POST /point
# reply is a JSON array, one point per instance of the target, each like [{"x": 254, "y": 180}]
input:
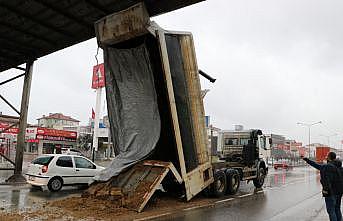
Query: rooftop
[{"x": 58, "y": 116}]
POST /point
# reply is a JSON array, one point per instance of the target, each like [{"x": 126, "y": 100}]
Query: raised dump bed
[{"x": 155, "y": 110}]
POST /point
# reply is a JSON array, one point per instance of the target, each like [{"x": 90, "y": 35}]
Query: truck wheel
[
  {"x": 219, "y": 186},
  {"x": 259, "y": 181},
  {"x": 55, "y": 184},
  {"x": 233, "y": 181}
]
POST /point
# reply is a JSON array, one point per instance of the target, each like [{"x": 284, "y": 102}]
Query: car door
[
  {"x": 85, "y": 169},
  {"x": 65, "y": 169}
]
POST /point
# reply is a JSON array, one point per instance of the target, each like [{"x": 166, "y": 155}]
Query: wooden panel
[
  {"x": 194, "y": 94},
  {"x": 123, "y": 25}
]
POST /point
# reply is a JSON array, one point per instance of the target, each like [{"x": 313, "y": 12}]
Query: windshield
[
  {"x": 263, "y": 142},
  {"x": 43, "y": 160},
  {"x": 244, "y": 141}
]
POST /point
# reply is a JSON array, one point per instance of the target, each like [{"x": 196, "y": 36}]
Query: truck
[
  {"x": 321, "y": 153},
  {"x": 238, "y": 158},
  {"x": 156, "y": 117}
]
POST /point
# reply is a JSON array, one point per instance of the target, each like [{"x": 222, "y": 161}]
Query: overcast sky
[{"x": 278, "y": 62}]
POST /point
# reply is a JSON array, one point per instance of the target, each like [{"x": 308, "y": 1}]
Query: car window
[
  {"x": 83, "y": 163},
  {"x": 43, "y": 160},
  {"x": 64, "y": 161}
]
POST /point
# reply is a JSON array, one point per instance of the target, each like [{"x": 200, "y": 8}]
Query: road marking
[
  {"x": 224, "y": 200},
  {"x": 153, "y": 217},
  {"x": 245, "y": 195},
  {"x": 197, "y": 207}
]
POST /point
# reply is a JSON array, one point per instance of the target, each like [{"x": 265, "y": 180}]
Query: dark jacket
[{"x": 331, "y": 176}]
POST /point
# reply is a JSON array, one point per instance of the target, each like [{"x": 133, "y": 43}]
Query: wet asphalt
[{"x": 287, "y": 195}]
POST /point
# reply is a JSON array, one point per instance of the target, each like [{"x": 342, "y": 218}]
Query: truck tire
[
  {"x": 259, "y": 181},
  {"x": 219, "y": 186},
  {"x": 233, "y": 181}
]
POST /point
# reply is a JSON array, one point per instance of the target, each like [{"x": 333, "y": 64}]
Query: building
[
  {"x": 57, "y": 121},
  {"x": 38, "y": 140}
]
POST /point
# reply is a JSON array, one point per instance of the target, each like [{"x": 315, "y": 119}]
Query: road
[{"x": 287, "y": 195}]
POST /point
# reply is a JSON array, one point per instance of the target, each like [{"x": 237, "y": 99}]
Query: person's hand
[{"x": 304, "y": 158}]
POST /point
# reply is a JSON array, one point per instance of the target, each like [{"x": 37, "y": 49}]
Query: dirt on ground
[{"x": 92, "y": 209}]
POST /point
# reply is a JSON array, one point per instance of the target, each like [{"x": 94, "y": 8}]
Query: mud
[{"x": 93, "y": 209}]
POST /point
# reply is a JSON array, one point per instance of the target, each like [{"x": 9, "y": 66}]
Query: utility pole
[{"x": 309, "y": 134}]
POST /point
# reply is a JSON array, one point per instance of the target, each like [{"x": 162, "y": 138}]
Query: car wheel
[
  {"x": 233, "y": 181},
  {"x": 219, "y": 186},
  {"x": 55, "y": 184},
  {"x": 259, "y": 181}
]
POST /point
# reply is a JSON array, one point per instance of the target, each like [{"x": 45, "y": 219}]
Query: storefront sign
[{"x": 56, "y": 133}]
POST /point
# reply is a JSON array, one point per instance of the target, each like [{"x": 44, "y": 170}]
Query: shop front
[{"x": 45, "y": 140}]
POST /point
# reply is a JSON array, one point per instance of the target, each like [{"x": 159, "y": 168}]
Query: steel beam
[
  {"x": 11, "y": 79},
  {"x": 20, "y": 68},
  {"x": 9, "y": 104}
]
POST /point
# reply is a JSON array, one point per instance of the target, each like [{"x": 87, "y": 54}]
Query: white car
[{"x": 57, "y": 170}]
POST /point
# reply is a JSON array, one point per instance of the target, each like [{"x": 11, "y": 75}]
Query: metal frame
[
  {"x": 195, "y": 179},
  {"x": 17, "y": 177}
]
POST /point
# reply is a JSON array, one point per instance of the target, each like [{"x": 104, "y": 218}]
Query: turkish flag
[{"x": 93, "y": 114}]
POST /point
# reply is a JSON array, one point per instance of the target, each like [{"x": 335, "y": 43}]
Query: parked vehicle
[
  {"x": 56, "y": 170},
  {"x": 282, "y": 165},
  {"x": 321, "y": 153}
]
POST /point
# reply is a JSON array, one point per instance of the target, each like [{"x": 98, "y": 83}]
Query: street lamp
[
  {"x": 328, "y": 137},
  {"x": 309, "y": 134}
]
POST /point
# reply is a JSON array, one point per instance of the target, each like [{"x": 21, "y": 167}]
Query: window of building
[
  {"x": 83, "y": 163},
  {"x": 231, "y": 141},
  {"x": 64, "y": 161}
]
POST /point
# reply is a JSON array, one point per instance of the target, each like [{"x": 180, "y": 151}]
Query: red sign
[
  {"x": 32, "y": 141},
  {"x": 56, "y": 133},
  {"x": 12, "y": 130},
  {"x": 98, "y": 79}
]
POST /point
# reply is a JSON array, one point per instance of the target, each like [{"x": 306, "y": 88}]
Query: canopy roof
[{"x": 30, "y": 29}]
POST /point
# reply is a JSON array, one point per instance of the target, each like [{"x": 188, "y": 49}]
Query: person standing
[{"x": 331, "y": 178}]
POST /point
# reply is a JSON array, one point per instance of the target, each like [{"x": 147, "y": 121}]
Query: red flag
[{"x": 93, "y": 114}]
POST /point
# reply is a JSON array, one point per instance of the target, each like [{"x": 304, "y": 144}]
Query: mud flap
[{"x": 134, "y": 187}]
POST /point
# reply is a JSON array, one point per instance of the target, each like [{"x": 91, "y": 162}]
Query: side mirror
[{"x": 270, "y": 141}]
